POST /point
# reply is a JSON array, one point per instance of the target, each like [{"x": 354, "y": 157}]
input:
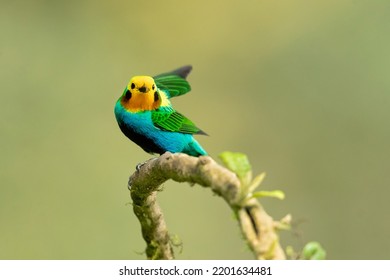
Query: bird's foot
[{"x": 139, "y": 165}]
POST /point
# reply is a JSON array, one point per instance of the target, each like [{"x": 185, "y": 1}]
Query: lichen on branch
[{"x": 258, "y": 228}]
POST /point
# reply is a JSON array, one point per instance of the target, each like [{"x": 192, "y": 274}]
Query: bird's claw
[{"x": 139, "y": 165}]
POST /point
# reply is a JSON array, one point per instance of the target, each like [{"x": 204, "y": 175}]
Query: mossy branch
[{"x": 258, "y": 228}]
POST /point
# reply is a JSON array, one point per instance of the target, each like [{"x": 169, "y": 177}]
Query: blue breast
[{"x": 139, "y": 128}]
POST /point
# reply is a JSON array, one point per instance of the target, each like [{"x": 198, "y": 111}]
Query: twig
[{"x": 256, "y": 225}]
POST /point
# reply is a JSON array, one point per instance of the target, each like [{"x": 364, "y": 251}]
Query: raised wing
[
  {"x": 174, "y": 83},
  {"x": 182, "y": 72}
]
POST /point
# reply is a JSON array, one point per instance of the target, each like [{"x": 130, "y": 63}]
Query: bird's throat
[{"x": 140, "y": 102}]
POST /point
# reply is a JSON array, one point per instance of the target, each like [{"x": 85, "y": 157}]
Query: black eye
[
  {"x": 128, "y": 94},
  {"x": 153, "y": 87},
  {"x": 132, "y": 85}
]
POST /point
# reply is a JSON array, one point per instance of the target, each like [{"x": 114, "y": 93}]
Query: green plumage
[
  {"x": 167, "y": 118},
  {"x": 162, "y": 128},
  {"x": 173, "y": 85}
]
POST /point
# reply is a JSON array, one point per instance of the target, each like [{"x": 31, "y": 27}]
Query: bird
[{"x": 145, "y": 114}]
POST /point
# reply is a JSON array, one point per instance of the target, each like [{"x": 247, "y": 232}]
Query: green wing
[
  {"x": 181, "y": 72},
  {"x": 166, "y": 118},
  {"x": 174, "y": 83}
]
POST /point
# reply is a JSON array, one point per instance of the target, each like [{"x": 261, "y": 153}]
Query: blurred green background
[{"x": 302, "y": 87}]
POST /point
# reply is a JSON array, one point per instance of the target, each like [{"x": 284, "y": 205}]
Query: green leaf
[
  {"x": 256, "y": 182},
  {"x": 313, "y": 251},
  {"x": 239, "y": 164},
  {"x": 276, "y": 194}
]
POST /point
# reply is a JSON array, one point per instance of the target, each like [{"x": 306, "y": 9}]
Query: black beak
[{"x": 142, "y": 89}]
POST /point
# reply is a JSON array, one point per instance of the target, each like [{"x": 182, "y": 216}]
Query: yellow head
[{"x": 141, "y": 94}]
